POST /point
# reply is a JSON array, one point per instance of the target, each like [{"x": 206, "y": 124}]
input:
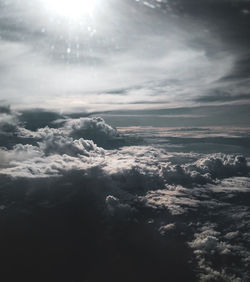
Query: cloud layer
[
  {"x": 98, "y": 66},
  {"x": 187, "y": 209}
]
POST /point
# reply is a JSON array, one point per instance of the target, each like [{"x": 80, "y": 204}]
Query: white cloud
[
  {"x": 68, "y": 146},
  {"x": 95, "y": 125},
  {"x": 19, "y": 153}
]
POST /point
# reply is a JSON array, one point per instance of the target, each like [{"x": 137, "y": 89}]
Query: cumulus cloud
[
  {"x": 117, "y": 209},
  {"x": 141, "y": 165},
  {"x": 166, "y": 228},
  {"x": 127, "y": 188},
  {"x": 8, "y": 119},
  {"x": 232, "y": 235},
  {"x": 231, "y": 186},
  {"x": 206, "y": 169},
  {"x": 176, "y": 200},
  {"x": 68, "y": 146},
  {"x": 207, "y": 242},
  {"x": 94, "y": 129},
  {"x": 93, "y": 126},
  {"x": 210, "y": 246},
  {"x": 19, "y": 153},
  {"x": 9, "y": 124}
]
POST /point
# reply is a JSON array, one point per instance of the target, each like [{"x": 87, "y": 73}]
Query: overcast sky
[{"x": 124, "y": 54}]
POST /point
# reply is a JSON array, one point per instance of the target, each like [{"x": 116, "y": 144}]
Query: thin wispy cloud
[{"x": 51, "y": 64}]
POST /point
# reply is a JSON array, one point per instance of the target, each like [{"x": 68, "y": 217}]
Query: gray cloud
[
  {"x": 124, "y": 162},
  {"x": 127, "y": 194},
  {"x": 74, "y": 69},
  {"x": 218, "y": 96},
  {"x": 209, "y": 243},
  {"x": 117, "y": 209}
]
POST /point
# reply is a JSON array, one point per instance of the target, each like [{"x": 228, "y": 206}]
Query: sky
[
  {"x": 124, "y": 140},
  {"x": 124, "y": 54}
]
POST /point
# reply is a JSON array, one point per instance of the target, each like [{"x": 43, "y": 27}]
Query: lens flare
[{"x": 71, "y": 9}]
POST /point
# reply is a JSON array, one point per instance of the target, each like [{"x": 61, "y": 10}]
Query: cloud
[
  {"x": 174, "y": 200},
  {"x": 94, "y": 129},
  {"x": 231, "y": 186},
  {"x": 95, "y": 124},
  {"x": 19, "y": 153},
  {"x": 117, "y": 209},
  {"x": 39, "y": 118},
  {"x": 208, "y": 246},
  {"x": 171, "y": 204},
  {"x": 207, "y": 242},
  {"x": 8, "y": 123},
  {"x": 167, "y": 228},
  {"x": 74, "y": 193},
  {"x": 141, "y": 165},
  {"x": 232, "y": 235},
  {"x": 158, "y": 67},
  {"x": 222, "y": 97},
  {"x": 68, "y": 146},
  {"x": 204, "y": 170},
  {"x": 8, "y": 119},
  {"x": 5, "y": 109}
]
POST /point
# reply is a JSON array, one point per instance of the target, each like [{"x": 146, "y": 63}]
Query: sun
[{"x": 71, "y": 9}]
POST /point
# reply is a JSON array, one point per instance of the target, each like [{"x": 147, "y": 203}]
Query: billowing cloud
[{"x": 142, "y": 195}]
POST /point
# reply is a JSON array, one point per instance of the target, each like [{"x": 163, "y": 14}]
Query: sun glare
[{"x": 71, "y": 9}]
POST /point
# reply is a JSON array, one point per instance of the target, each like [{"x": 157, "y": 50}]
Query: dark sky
[{"x": 124, "y": 54}]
